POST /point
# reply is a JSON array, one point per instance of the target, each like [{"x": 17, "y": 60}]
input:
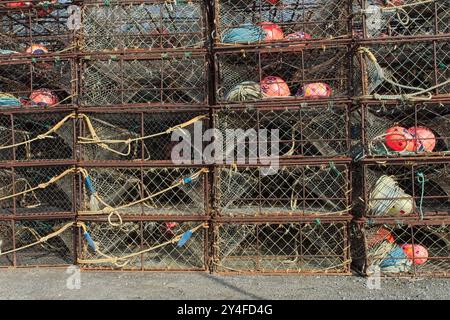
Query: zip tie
[{"x": 421, "y": 180}]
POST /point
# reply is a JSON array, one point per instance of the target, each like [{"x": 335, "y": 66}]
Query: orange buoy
[
  {"x": 273, "y": 31},
  {"x": 36, "y": 49},
  {"x": 272, "y": 86},
  {"x": 416, "y": 252},
  {"x": 424, "y": 139},
  {"x": 44, "y": 97},
  {"x": 399, "y": 139}
]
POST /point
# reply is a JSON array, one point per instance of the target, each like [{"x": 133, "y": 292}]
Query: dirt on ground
[{"x": 63, "y": 284}]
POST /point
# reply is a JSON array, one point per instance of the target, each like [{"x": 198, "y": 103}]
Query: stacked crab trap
[
  {"x": 402, "y": 84},
  {"x": 282, "y": 195},
  {"x": 330, "y": 132}
]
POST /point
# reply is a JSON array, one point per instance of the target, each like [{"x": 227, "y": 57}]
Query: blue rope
[
  {"x": 421, "y": 180},
  {"x": 246, "y": 33},
  {"x": 9, "y": 101}
]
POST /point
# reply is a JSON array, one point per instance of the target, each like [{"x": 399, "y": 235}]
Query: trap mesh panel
[
  {"x": 55, "y": 197},
  {"x": 22, "y": 78},
  {"x": 304, "y": 131},
  {"x": 433, "y": 118},
  {"x": 410, "y": 64},
  {"x": 111, "y": 127},
  {"x": 318, "y": 18},
  {"x": 10, "y": 185},
  {"x": 133, "y": 237},
  {"x": 396, "y": 190},
  {"x": 284, "y": 247},
  {"x": 119, "y": 126},
  {"x": 56, "y": 251},
  {"x": 415, "y": 18},
  {"x": 159, "y": 24},
  {"x": 124, "y": 189},
  {"x": 30, "y": 126},
  {"x": 24, "y": 27},
  {"x": 383, "y": 249},
  {"x": 296, "y": 69},
  {"x": 163, "y": 79},
  {"x": 303, "y": 190},
  {"x": 6, "y": 243}
]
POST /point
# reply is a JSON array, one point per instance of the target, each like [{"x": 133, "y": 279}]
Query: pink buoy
[
  {"x": 315, "y": 90},
  {"x": 416, "y": 252},
  {"x": 273, "y": 86},
  {"x": 424, "y": 139},
  {"x": 44, "y": 97}
]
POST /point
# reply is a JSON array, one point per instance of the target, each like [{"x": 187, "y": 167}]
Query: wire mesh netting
[
  {"x": 302, "y": 131},
  {"x": 149, "y": 191},
  {"x": 159, "y": 79},
  {"x": 281, "y": 247},
  {"x": 56, "y": 251},
  {"x": 402, "y": 18},
  {"x": 146, "y": 245},
  {"x": 38, "y": 82},
  {"x": 407, "y": 129},
  {"x": 254, "y": 21},
  {"x": 395, "y": 249},
  {"x": 404, "y": 70},
  {"x": 312, "y": 73},
  {"x": 27, "y": 191},
  {"x": 291, "y": 190},
  {"x": 417, "y": 189},
  {"x": 22, "y": 137},
  {"x": 148, "y": 25},
  {"x": 41, "y": 28},
  {"x": 146, "y": 136}
]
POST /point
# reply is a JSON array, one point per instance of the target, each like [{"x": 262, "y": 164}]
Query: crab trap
[
  {"x": 298, "y": 131},
  {"x": 271, "y": 75},
  {"x": 309, "y": 247},
  {"x": 148, "y": 136},
  {"x": 168, "y": 79},
  {"x": 160, "y": 191},
  {"x": 32, "y": 243},
  {"x": 288, "y": 190},
  {"x": 408, "y": 248},
  {"x": 36, "y": 136},
  {"x": 37, "y": 82},
  {"x": 36, "y": 191},
  {"x": 417, "y": 189},
  {"x": 403, "y": 71},
  {"x": 421, "y": 129},
  {"x": 265, "y": 21},
  {"x": 403, "y": 18},
  {"x": 155, "y": 24},
  {"x": 143, "y": 245},
  {"x": 36, "y": 27}
]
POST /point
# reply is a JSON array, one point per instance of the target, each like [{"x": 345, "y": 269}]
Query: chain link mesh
[
  {"x": 132, "y": 237},
  {"x": 294, "y": 70},
  {"x": 285, "y": 247},
  {"x": 407, "y": 190},
  {"x": 303, "y": 131},
  {"x": 414, "y": 18},
  {"x": 160, "y": 24},
  {"x": 318, "y": 18},
  {"x": 167, "y": 80},
  {"x": 431, "y": 245},
  {"x": 300, "y": 190}
]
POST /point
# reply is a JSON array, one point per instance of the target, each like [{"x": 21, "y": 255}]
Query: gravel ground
[{"x": 52, "y": 284}]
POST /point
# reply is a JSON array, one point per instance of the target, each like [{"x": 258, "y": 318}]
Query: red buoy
[
  {"x": 273, "y": 31},
  {"x": 399, "y": 139}
]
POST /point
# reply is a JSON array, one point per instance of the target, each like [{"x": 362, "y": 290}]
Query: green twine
[
  {"x": 421, "y": 181},
  {"x": 333, "y": 167},
  {"x": 165, "y": 55},
  {"x": 106, "y": 3},
  {"x": 33, "y": 60},
  {"x": 317, "y": 221}
]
